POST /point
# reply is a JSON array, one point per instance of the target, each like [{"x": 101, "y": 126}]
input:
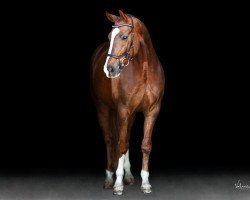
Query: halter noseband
[{"x": 125, "y": 55}]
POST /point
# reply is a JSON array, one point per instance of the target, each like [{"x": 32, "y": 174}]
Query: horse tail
[{"x": 114, "y": 127}]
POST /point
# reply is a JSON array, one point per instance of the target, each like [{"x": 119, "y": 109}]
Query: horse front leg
[
  {"x": 123, "y": 119},
  {"x": 149, "y": 121}
]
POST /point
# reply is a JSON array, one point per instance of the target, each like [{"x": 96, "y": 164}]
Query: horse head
[{"x": 123, "y": 43}]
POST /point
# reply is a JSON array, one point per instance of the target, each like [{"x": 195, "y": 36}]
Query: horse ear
[
  {"x": 112, "y": 18},
  {"x": 123, "y": 16}
]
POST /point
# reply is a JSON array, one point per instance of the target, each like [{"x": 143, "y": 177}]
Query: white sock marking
[
  {"x": 109, "y": 175},
  {"x": 113, "y": 34},
  {"x": 119, "y": 174},
  {"x": 127, "y": 165},
  {"x": 145, "y": 182}
]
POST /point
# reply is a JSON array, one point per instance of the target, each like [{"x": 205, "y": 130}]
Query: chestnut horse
[{"x": 126, "y": 78}]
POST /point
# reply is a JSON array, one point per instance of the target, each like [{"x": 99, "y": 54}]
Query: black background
[{"x": 50, "y": 119}]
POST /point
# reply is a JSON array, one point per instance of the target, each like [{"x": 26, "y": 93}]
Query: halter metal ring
[{"x": 124, "y": 58}]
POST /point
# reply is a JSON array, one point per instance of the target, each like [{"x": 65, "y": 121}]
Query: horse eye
[{"x": 124, "y": 37}]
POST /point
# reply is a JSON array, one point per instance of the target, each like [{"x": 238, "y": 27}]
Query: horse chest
[
  {"x": 137, "y": 98},
  {"x": 130, "y": 95}
]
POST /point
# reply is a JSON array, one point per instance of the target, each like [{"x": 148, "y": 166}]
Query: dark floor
[{"x": 173, "y": 185}]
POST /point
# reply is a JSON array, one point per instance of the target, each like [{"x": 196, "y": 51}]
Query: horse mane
[{"x": 145, "y": 34}]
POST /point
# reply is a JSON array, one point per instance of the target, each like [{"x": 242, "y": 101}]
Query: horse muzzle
[{"x": 114, "y": 71}]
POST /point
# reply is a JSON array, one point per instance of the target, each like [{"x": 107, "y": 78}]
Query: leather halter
[{"x": 125, "y": 55}]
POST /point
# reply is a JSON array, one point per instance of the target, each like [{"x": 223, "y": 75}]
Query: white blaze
[{"x": 113, "y": 34}]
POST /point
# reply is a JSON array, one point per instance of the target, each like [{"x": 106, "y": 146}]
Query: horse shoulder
[
  {"x": 155, "y": 84},
  {"x": 98, "y": 54},
  {"x": 100, "y": 83}
]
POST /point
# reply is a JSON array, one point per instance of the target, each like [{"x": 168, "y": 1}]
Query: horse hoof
[
  {"x": 108, "y": 185},
  {"x": 129, "y": 180},
  {"x": 146, "y": 189},
  {"x": 119, "y": 193},
  {"x": 118, "y": 190}
]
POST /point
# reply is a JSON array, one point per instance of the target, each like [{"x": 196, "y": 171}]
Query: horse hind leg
[
  {"x": 103, "y": 117},
  {"x": 128, "y": 177}
]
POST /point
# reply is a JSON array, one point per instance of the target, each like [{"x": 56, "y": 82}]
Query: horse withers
[{"x": 126, "y": 78}]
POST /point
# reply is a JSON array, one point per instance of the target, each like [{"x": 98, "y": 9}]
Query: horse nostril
[
  {"x": 121, "y": 66},
  {"x": 110, "y": 69}
]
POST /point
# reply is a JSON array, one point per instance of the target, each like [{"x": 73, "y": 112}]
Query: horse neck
[
  {"x": 146, "y": 52},
  {"x": 146, "y": 59}
]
